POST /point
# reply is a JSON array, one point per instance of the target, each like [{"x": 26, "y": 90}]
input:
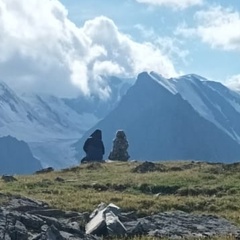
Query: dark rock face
[
  {"x": 16, "y": 157},
  {"x": 108, "y": 220},
  {"x": 26, "y": 219},
  {"x": 180, "y": 225}
]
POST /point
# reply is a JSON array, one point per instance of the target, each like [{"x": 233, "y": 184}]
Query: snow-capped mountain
[
  {"x": 210, "y": 99},
  {"x": 178, "y": 118},
  {"x": 35, "y": 117},
  {"x": 46, "y": 123},
  {"x": 100, "y": 107}
]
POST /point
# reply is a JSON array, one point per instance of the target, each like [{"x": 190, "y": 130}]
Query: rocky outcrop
[
  {"x": 26, "y": 219},
  {"x": 181, "y": 225},
  {"x": 108, "y": 220}
]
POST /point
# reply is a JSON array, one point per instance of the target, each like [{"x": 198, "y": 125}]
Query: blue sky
[
  {"x": 162, "y": 21},
  {"x": 64, "y": 47}
]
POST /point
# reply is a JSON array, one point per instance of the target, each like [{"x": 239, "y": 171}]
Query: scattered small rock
[
  {"x": 45, "y": 170},
  {"x": 59, "y": 179},
  {"x": 94, "y": 166},
  {"x": 8, "y": 178},
  {"x": 26, "y": 219},
  {"x": 176, "y": 169},
  {"x": 148, "y": 167}
]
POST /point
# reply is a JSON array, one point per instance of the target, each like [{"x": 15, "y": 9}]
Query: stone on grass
[
  {"x": 44, "y": 170},
  {"x": 8, "y": 178}
]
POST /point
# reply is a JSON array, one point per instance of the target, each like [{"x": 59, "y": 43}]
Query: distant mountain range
[
  {"x": 50, "y": 125},
  {"x": 164, "y": 119},
  {"x": 16, "y": 157},
  {"x": 101, "y": 107},
  {"x": 171, "y": 119}
]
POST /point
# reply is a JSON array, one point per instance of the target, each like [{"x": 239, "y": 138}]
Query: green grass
[{"x": 191, "y": 187}]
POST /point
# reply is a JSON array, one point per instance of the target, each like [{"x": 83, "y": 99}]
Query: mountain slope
[
  {"x": 50, "y": 125},
  {"x": 210, "y": 99},
  {"x": 101, "y": 107},
  {"x": 46, "y": 123},
  {"x": 16, "y": 157},
  {"x": 161, "y": 124}
]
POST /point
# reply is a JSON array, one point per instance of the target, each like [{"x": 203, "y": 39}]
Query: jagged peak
[
  {"x": 192, "y": 77},
  {"x": 5, "y": 89}
]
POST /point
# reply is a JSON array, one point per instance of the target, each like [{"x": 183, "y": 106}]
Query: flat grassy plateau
[{"x": 195, "y": 187}]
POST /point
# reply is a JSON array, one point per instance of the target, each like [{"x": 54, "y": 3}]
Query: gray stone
[
  {"x": 45, "y": 170},
  {"x": 49, "y": 212},
  {"x": 49, "y": 221},
  {"x": 146, "y": 167},
  {"x": 8, "y": 178},
  {"x": 39, "y": 236},
  {"x": 128, "y": 216},
  {"x": 31, "y": 221},
  {"x": 114, "y": 225},
  {"x": 18, "y": 231},
  {"x": 59, "y": 179},
  {"x": 25, "y": 204},
  {"x": 112, "y": 208},
  {"x": 23, "y": 218},
  {"x": 97, "y": 225},
  {"x": 99, "y": 208},
  {"x": 53, "y": 233},
  {"x": 135, "y": 228}
]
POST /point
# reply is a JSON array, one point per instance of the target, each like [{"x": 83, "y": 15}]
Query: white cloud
[
  {"x": 170, "y": 46},
  {"x": 176, "y": 4},
  {"x": 146, "y": 32},
  {"x": 219, "y": 27},
  {"x": 173, "y": 47},
  {"x": 42, "y": 50},
  {"x": 233, "y": 82}
]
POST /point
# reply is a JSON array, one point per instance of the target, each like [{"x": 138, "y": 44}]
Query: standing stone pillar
[{"x": 120, "y": 146}]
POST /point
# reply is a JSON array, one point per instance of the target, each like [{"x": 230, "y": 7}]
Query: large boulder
[{"x": 105, "y": 221}]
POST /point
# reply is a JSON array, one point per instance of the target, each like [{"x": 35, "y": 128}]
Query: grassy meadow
[{"x": 194, "y": 187}]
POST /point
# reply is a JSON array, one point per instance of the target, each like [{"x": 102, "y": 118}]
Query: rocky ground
[{"x": 27, "y": 219}]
